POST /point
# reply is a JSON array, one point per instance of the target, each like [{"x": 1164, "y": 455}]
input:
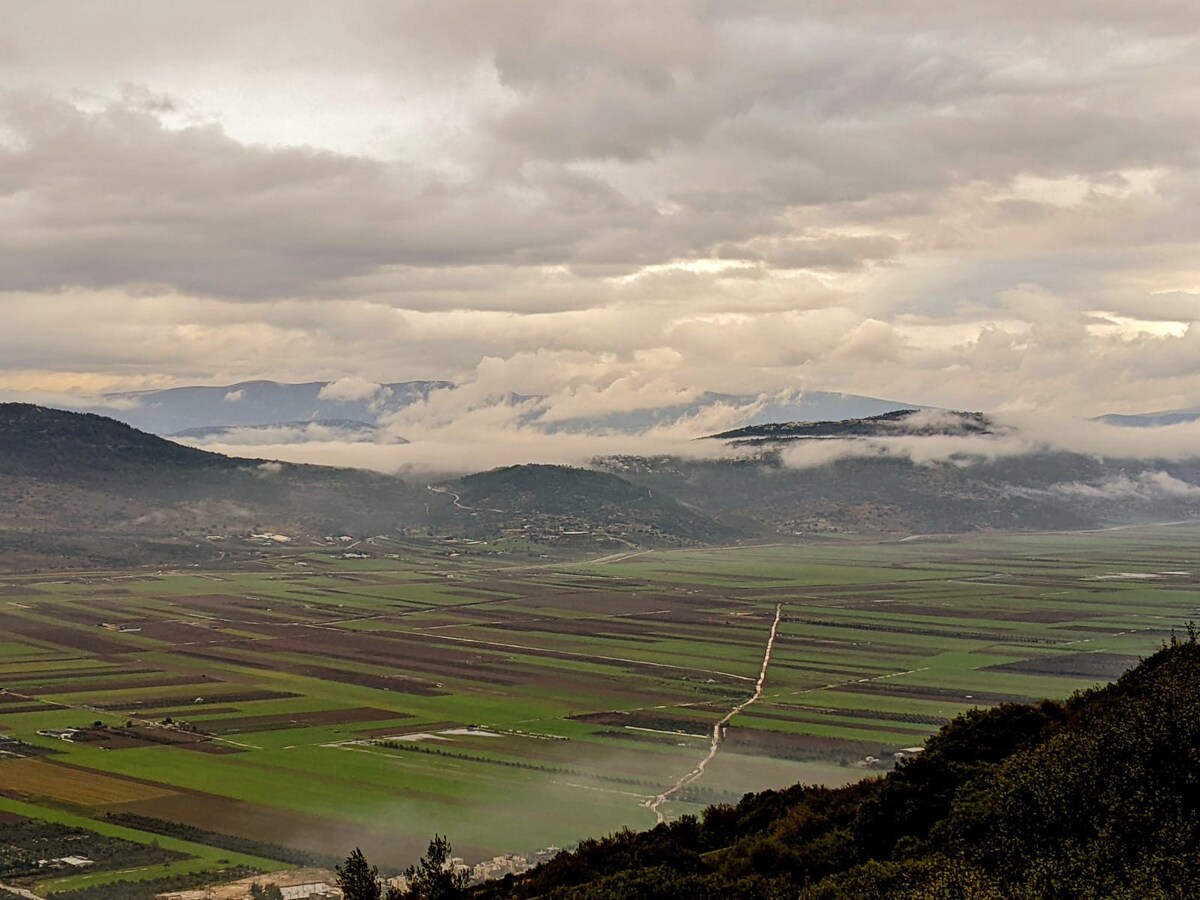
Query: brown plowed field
[
  {"x": 89, "y": 685},
  {"x": 178, "y": 700},
  {"x": 38, "y": 778},
  {"x": 234, "y": 725},
  {"x": 80, "y": 638},
  {"x": 1085, "y": 665}
]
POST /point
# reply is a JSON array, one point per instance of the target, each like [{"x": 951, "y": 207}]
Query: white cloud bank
[
  {"x": 458, "y": 432},
  {"x": 352, "y": 389},
  {"x": 1015, "y": 436},
  {"x": 1143, "y": 486}
]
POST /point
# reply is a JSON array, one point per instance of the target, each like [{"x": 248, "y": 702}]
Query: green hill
[
  {"x": 79, "y": 488},
  {"x": 572, "y": 499},
  {"x": 86, "y": 448},
  {"x": 1097, "y": 796}
]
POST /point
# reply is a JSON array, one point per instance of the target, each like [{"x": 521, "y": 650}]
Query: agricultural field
[{"x": 283, "y": 713}]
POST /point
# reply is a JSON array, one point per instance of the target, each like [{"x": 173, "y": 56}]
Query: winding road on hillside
[
  {"x": 445, "y": 491},
  {"x": 718, "y": 733}
]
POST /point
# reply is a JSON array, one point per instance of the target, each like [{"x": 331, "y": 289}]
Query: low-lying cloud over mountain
[
  {"x": 108, "y": 490},
  {"x": 469, "y": 427},
  {"x": 1144, "y": 486},
  {"x": 439, "y": 427}
]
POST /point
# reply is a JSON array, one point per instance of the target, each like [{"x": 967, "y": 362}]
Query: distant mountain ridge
[
  {"x": 197, "y": 413},
  {"x": 915, "y": 471},
  {"x": 173, "y": 410},
  {"x": 807, "y": 405},
  {"x": 1152, "y": 419},
  {"x": 908, "y": 422}
]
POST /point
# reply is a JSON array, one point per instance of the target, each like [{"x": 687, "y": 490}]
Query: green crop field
[{"x": 318, "y": 703}]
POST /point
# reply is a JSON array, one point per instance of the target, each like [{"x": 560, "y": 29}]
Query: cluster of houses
[
  {"x": 499, "y": 866},
  {"x": 489, "y": 869},
  {"x": 508, "y": 864}
]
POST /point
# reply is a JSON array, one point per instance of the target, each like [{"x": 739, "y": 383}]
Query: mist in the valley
[{"x": 589, "y": 792}]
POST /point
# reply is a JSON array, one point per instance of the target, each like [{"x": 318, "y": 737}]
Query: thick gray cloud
[
  {"x": 115, "y": 198},
  {"x": 957, "y": 204}
]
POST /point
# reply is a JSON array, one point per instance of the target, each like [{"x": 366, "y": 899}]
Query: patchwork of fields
[{"x": 320, "y": 703}]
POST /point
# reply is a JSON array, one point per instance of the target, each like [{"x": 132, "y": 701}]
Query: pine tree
[
  {"x": 433, "y": 878},
  {"x": 358, "y": 879}
]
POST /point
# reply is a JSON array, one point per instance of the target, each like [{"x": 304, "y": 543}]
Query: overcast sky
[{"x": 980, "y": 205}]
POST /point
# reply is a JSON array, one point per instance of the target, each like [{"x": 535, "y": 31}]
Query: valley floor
[{"x": 279, "y": 717}]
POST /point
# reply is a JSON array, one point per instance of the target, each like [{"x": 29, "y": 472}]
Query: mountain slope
[
  {"x": 1096, "y": 797},
  {"x": 879, "y": 495},
  {"x": 930, "y": 471},
  {"x": 1153, "y": 419},
  {"x": 76, "y": 487},
  {"x": 104, "y": 483},
  {"x": 567, "y": 499},
  {"x": 81, "y": 447}
]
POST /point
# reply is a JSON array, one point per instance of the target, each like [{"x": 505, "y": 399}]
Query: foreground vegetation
[{"x": 1097, "y": 796}]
